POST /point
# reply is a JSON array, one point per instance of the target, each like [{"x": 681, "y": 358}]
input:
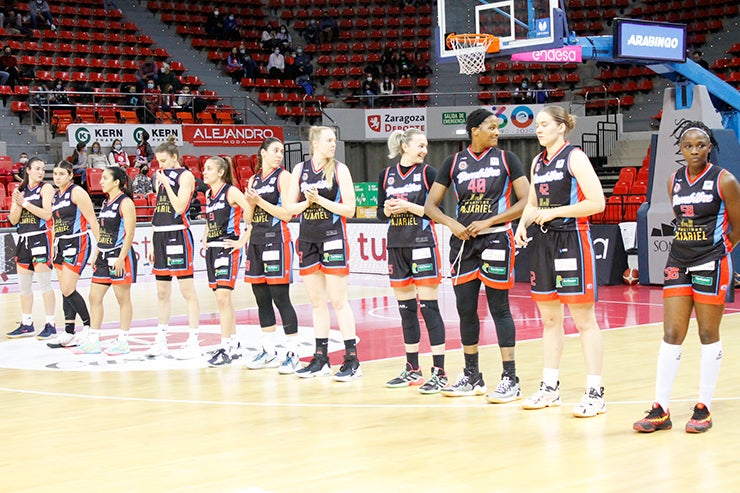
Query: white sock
[
  {"x": 122, "y": 335},
  {"x": 291, "y": 344},
  {"x": 669, "y": 358},
  {"x": 26, "y": 319},
  {"x": 268, "y": 342},
  {"x": 225, "y": 342},
  {"x": 161, "y": 333},
  {"x": 50, "y": 319},
  {"x": 193, "y": 335},
  {"x": 593, "y": 382},
  {"x": 233, "y": 342},
  {"x": 711, "y": 360},
  {"x": 94, "y": 335},
  {"x": 550, "y": 377}
]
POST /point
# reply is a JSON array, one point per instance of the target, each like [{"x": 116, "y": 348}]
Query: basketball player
[
  {"x": 413, "y": 255},
  {"x": 565, "y": 191},
  {"x": 223, "y": 241},
  {"x": 698, "y": 273},
  {"x": 30, "y": 213},
  {"x": 171, "y": 255},
  {"x": 74, "y": 218},
  {"x": 114, "y": 262},
  {"x": 270, "y": 258},
  {"x": 322, "y": 192},
  {"x": 485, "y": 179}
]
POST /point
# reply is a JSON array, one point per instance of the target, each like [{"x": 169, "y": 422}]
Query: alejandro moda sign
[
  {"x": 650, "y": 41},
  {"x": 229, "y": 135},
  {"x": 129, "y": 135}
]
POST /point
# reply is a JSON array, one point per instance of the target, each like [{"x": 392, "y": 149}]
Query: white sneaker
[
  {"x": 592, "y": 404},
  {"x": 264, "y": 360},
  {"x": 189, "y": 350},
  {"x": 507, "y": 390},
  {"x": 545, "y": 396},
  {"x": 159, "y": 348},
  {"x": 235, "y": 352},
  {"x": 61, "y": 340},
  {"x": 289, "y": 364}
]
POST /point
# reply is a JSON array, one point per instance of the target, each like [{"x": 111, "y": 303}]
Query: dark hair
[
  {"x": 475, "y": 119},
  {"x": 224, "y": 166},
  {"x": 80, "y": 146},
  {"x": 684, "y": 125},
  {"x": 144, "y": 136},
  {"x": 124, "y": 182},
  {"x": 66, "y": 165},
  {"x": 265, "y": 145},
  {"x": 24, "y": 184},
  {"x": 169, "y": 147}
]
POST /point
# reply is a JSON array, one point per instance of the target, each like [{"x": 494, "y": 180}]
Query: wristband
[{"x": 25, "y": 204}]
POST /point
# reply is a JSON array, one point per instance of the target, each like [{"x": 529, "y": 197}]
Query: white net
[{"x": 470, "y": 51}]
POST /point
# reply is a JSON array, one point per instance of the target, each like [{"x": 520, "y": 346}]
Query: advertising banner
[
  {"x": 129, "y": 135},
  {"x": 229, "y": 135}
]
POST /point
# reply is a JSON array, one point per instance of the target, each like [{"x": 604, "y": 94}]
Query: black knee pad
[
  {"x": 433, "y": 319},
  {"x": 281, "y": 296},
  {"x": 466, "y": 300},
  {"x": 265, "y": 310},
  {"x": 409, "y": 321},
  {"x": 498, "y": 305},
  {"x": 69, "y": 311}
]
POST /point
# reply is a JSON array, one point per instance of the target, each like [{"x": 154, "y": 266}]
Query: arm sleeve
[
  {"x": 443, "y": 175},
  {"x": 381, "y": 195}
]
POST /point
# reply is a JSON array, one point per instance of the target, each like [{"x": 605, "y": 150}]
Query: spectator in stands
[
  {"x": 14, "y": 19},
  {"x": 387, "y": 88},
  {"x": 249, "y": 65},
  {"x": 420, "y": 67},
  {"x": 370, "y": 89},
  {"x": 290, "y": 69},
  {"x": 117, "y": 155},
  {"x": 311, "y": 34},
  {"x": 372, "y": 69},
  {"x": 147, "y": 70},
  {"x": 541, "y": 95},
  {"x": 523, "y": 94},
  {"x": 303, "y": 64},
  {"x": 328, "y": 28},
  {"x": 168, "y": 81},
  {"x": 389, "y": 63},
  {"x": 40, "y": 104},
  {"x": 215, "y": 24},
  {"x": 39, "y": 8},
  {"x": 276, "y": 64},
  {"x": 234, "y": 67},
  {"x": 231, "y": 28},
  {"x": 152, "y": 103},
  {"x": 284, "y": 39},
  {"x": 58, "y": 98},
  {"x": 697, "y": 56},
  {"x": 185, "y": 99},
  {"x": 9, "y": 64},
  {"x": 96, "y": 158},
  {"x": 142, "y": 183},
  {"x": 133, "y": 99},
  {"x": 268, "y": 38},
  {"x": 19, "y": 170},
  {"x": 144, "y": 152},
  {"x": 79, "y": 161}
]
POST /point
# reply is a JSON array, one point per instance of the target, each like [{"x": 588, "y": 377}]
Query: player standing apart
[
  {"x": 322, "y": 192},
  {"x": 485, "y": 179},
  {"x": 114, "y": 262},
  {"x": 30, "y": 213},
  {"x": 565, "y": 191},
  {"x": 270, "y": 258},
  {"x": 698, "y": 273},
  {"x": 223, "y": 240},
  {"x": 413, "y": 255},
  {"x": 74, "y": 217},
  {"x": 172, "y": 248}
]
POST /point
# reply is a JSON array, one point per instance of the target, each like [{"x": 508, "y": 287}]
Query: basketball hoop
[{"x": 471, "y": 49}]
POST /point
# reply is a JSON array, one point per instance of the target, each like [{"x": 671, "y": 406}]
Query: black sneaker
[
  {"x": 48, "y": 332},
  {"x": 349, "y": 370},
  {"x": 436, "y": 382},
  {"x": 468, "y": 383},
  {"x": 21, "y": 331},
  {"x": 318, "y": 367},
  {"x": 408, "y": 377},
  {"x": 219, "y": 358}
]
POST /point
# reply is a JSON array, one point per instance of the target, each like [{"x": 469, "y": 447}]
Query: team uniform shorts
[
  {"x": 173, "y": 253},
  {"x": 562, "y": 266},
  {"x": 709, "y": 283},
  {"x": 222, "y": 266},
  {"x": 488, "y": 257},
  {"x": 72, "y": 253},
  {"x": 330, "y": 257},
  {"x": 33, "y": 250},
  {"x": 414, "y": 266},
  {"x": 103, "y": 272},
  {"x": 270, "y": 263}
]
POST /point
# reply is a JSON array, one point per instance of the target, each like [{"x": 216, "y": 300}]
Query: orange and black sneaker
[
  {"x": 700, "y": 421},
  {"x": 656, "y": 419}
]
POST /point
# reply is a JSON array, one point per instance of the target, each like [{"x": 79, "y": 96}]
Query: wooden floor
[{"x": 235, "y": 430}]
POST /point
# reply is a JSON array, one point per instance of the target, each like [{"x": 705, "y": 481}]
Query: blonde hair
[
  {"x": 329, "y": 165},
  {"x": 561, "y": 116},
  {"x": 400, "y": 137}
]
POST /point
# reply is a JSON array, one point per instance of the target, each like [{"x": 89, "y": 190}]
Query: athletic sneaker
[
  {"x": 436, "y": 382},
  {"x": 91, "y": 346},
  {"x": 118, "y": 348},
  {"x": 63, "y": 339},
  {"x": 507, "y": 390},
  {"x": 349, "y": 370},
  {"x": 656, "y": 419},
  {"x": 700, "y": 421},
  {"x": 48, "y": 332},
  {"x": 408, "y": 377},
  {"x": 318, "y": 367},
  {"x": 264, "y": 360},
  {"x": 468, "y": 383},
  {"x": 21, "y": 331},
  {"x": 157, "y": 349},
  {"x": 219, "y": 358},
  {"x": 235, "y": 352},
  {"x": 289, "y": 364},
  {"x": 545, "y": 396},
  {"x": 189, "y": 350},
  {"x": 592, "y": 404}
]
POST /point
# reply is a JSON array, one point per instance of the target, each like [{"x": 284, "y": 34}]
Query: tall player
[
  {"x": 698, "y": 273},
  {"x": 413, "y": 255},
  {"x": 565, "y": 192},
  {"x": 172, "y": 247},
  {"x": 486, "y": 180}
]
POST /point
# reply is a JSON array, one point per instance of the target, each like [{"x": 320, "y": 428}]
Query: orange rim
[{"x": 475, "y": 39}]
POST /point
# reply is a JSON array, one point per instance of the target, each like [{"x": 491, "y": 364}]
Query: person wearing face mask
[
  {"x": 370, "y": 89},
  {"x": 234, "y": 67},
  {"x": 79, "y": 161},
  {"x": 142, "y": 183},
  {"x": 96, "y": 158},
  {"x": 523, "y": 94},
  {"x": 541, "y": 94},
  {"x": 9, "y": 65},
  {"x": 303, "y": 64},
  {"x": 231, "y": 28},
  {"x": 214, "y": 24},
  {"x": 39, "y": 8},
  {"x": 19, "y": 170},
  {"x": 328, "y": 28},
  {"x": 276, "y": 64},
  {"x": 268, "y": 39},
  {"x": 249, "y": 65},
  {"x": 117, "y": 156},
  {"x": 284, "y": 39},
  {"x": 387, "y": 88},
  {"x": 152, "y": 103},
  {"x": 147, "y": 71}
]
